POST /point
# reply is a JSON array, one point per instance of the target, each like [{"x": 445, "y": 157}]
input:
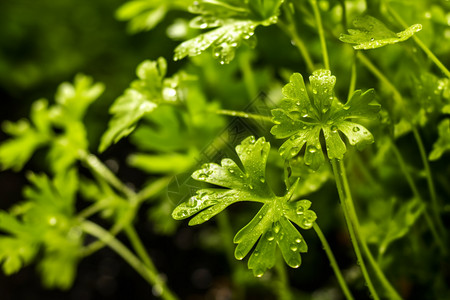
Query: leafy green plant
[{"x": 363, "y": 159}]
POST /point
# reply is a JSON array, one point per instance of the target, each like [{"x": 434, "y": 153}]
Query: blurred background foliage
[{"x": 43, "y": 43}]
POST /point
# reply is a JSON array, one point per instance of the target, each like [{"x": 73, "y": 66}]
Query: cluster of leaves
[
  {"x": 59, "y": 126},
  {"x": 169, "y": 120},
  {"x": 272, "y": 225},
  {"x": 304, "y": 120},
  {"x": 45, "y": 226}
]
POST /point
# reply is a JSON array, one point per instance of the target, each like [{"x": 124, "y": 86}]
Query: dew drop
[
  {"x": 182, "y": 214},
  {"x": 293, "y": 247},
  {"x": 294, "y": 263},
  {"x": 356, "y": 129},
  {"x": 277, "y": 228},
  {"x": 269, "y": 236},
  {"x": 306, "y": 223},
  {"x": 314, "y": 91},
  {"x": 230, "y": 170},
  {"x": 258, "y": 273},
  {"x": 298, "y": 241},
  {"x": 192, "y": 202},
  {"x": 334, "y": 128},
  {"x": 312, "y": 149},
  {"x": 294, "y": 151},
  {"x": 262, "y": 179}
]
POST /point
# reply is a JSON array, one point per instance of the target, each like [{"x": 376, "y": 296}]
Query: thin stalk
[
  {"x": 90, "y": 210},
  {"x": 375, "y": 71},
  {"x": 344, "y": 14},
  {"x": 282, "y": 284},
  {"x": 430, "y": 181},
  {"x": 100, "y": 169},
  {"x": 339, "y": 170},
  {"x": 138, "y": 247},
  {"x": 339, "y": 176},
  {"x": 417, "y": 195},
  {"x": 291, "y": 30},
  {"x": 153, "y": 188},
  {"x": 352, "y": 85},
  {"x": 226, "y": 232},
  {"x": 419, "y": 42},
  {"x": 333, "y": 263},
  {"x": 243, "y": 114},
  {"x": 323, "y": 44},
  {"x": 115, "y": 229},
  {"x": 149, "y": 275},
  {"x": 247, "y": 74},
  {"x": 398, "y": 98}
]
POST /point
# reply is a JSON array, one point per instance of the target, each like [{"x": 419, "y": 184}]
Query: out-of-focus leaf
[
  {"x": 442, "y": 145},
  {"x": 15, "y": 152},
  {"x": 391, "y": 225}
]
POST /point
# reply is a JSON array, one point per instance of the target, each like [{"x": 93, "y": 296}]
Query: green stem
[
  {"x": 291, "y": 30},
  {"x": 226, "y": 232},
  {"x": 417, "y": 195},
  {"x": 352, "y": 85},
  {"x": 339, "y": 177},
  {"x": 375, "y": 71},
  {"x": 90, "y": 210},
  {"x": 398, "y": 98},
  {"x": 323, "y": 44},
  {"x": 100, "y": 169},
  {"x": 333, "y": 263},
  {"x": 247, "y": 74},
  {"x": 136, "y": 242},
  {"x": 149, "y": 275},
  {"x": 419, "y": 42},
  {"x": 243, "y": 114},
  {"x": 153, "y": 189},
  {"x": 430, "y": 181},
  {"x": 282, "y": 284},
  {"x": 339, "y": 170}
]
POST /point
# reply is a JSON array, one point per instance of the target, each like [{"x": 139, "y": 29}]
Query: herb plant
[{"x": 360, "y": 147}]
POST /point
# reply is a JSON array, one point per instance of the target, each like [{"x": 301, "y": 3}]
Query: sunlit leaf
[
  {"x": 371, "y": 33},
  {"x": 304, "y": 120},
  {"x": 272, "y": 225}
]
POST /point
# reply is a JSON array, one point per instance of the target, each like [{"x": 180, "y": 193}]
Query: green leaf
[
  {"x": 371, "y": 33},
  {"x": 223, "y": 41},
  {"x": 442, "y": 145},
  {"x": 273, "y": 223},
  {"x": 16, "y": 253},
  {"x": 236, "y": 22},
  {"x": 389, "y": 225},
  {"x": 303, "y": 120},
  {"x": 44, "y": 223},
  {"x": 74, "y": 99},
  {"x": 142, "y": 97},
  {"x": 143, "y": 14},
  {"x": 15, "y": 152}
]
